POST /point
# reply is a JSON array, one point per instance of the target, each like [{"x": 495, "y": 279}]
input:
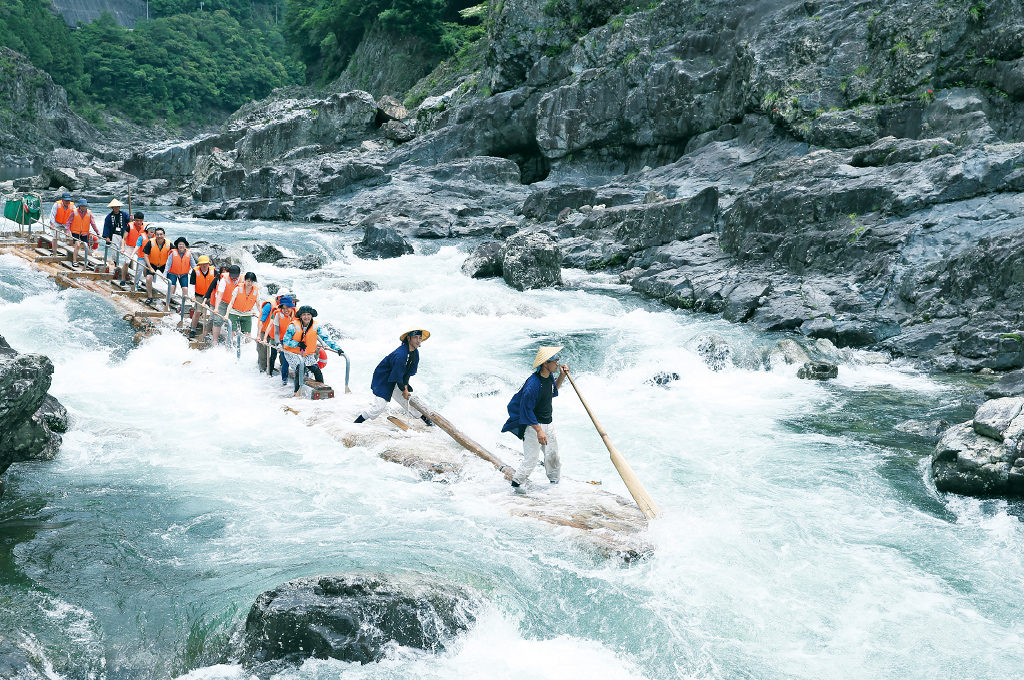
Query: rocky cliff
[
  {"x": 31, "y": 421},
  {"x": 847, "y": 171},
  {"x": 34, "y": 113}
]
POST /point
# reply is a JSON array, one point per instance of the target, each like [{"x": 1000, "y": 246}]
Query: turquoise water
[{"x": 801, "y": 536}]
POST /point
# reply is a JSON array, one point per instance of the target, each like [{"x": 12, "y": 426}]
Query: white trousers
[
  {"x": 531, "y": 453},
  {"x": 378, "y": 405}
]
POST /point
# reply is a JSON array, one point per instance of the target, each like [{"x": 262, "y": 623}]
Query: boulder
[
  {"x": 531, "y": 259},
  {"x": 1010, "y": 385},
  {"x": 818, "y": 370},
  {"x": 264, "y": 252},
  {"x": 306, "y": 262},
  {"x": 391, "y": 109},
  {"x": 545, "y": 204},
  {"x": 397, "y": 131},
  {"x": 994, "y": 416},
  {"x": 31, "y": 422},
  {"x": 484, "y": 262},
  {"x": 357, "y": 286},
  {"x": 354, "y": 617},
  {"x": 381, "y": 242},
  {"x": 713, "y": 349}
]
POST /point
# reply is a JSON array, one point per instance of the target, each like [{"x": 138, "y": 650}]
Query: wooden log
[{"x": 466, "y": 442}]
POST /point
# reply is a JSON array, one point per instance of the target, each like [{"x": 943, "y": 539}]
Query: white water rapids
[{"x": 800, "y": 537}]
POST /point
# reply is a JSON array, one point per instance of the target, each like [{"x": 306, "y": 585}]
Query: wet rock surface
[
  {"x": 818, "y": 370},
  {"x": 381, "y": 242},
  {"x": 484, "y": 262},
  {"x": 984, "y": 457},
  {"x": 354, "y": 617},
  {"x": 31, "y": 421}
]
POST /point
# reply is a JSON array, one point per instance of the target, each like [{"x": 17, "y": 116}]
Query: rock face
[
  {"x": 381, "y": 242},
  {"x": 39, "y": 117},
  {"x": 531, "y": 260},
  {"x": 353, "y": 617},
  {"x": 31, "y": 422},
  {"x": 984, "y": 457},
  {"x": 265, "y": 252}
]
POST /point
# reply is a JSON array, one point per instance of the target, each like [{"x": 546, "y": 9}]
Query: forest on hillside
[{"x": 198, "y": 60}]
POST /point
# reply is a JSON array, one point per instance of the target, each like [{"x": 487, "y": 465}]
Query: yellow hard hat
[{"x": 204, "y": 259}]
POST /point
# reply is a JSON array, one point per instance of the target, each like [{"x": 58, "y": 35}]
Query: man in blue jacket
[
  {"x": 530, "y": 416},
  {"x": 391, "y": 377}
]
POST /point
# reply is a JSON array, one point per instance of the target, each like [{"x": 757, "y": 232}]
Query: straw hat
[
  {"x": 544, "y": 353},
  {"x": 115, "y": 204},
  {"x": 404, "y": 336}
]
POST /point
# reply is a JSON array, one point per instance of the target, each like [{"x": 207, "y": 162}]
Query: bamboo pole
[
  {"x": 466, "y": 442},
  {"x": 636, "y": 489}
]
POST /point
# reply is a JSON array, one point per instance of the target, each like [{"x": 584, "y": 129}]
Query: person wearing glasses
[{"x": 530, "y": 416}]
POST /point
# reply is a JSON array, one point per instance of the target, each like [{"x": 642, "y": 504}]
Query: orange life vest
[
  {"x": 142, "y": 244},
  {"x": 281, "y": 323},
  {"x": 309, "y": 338},
  {"x": 63, "y": 213},
  {"x": 270, "y": 316},
  {"x": 229, "y": 287},
  {"x": 180, "y": 264},
  {"x": 203, "y": 281},
  {"x": 245, "y": 301},
  {"x": 157, "y": 255},
  {"x": 80, "y": 223},
  {"x": 133, "y": 234}
]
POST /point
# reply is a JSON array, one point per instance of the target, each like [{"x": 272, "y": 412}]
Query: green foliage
[
  {"x": 185, "y": 67},
  {"x": 325, "y": 33}
]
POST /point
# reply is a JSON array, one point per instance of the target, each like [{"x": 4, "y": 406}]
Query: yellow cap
[
  {"x": 204, "y": 259},
  {"x": 544, "y": 353}
]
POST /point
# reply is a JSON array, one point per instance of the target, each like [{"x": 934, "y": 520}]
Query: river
[{"x": 800, "y": 537}]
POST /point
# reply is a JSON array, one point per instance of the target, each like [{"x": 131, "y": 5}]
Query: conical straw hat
[
  {"x": 403, "y": 336},
  {"x": 544, "y": 353},
  {"x": 115, "y": 204}
]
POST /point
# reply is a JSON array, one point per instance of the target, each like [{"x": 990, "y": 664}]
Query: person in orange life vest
[
  {"x": 156, "y": 251},
  {"x": 226, "y": 285},
  {"x": 301, "y": 340},
  {"x": 202, "y": 280},
  {"x": 140, "y": 263},
  {"x": 268, "y": 308},
  {"x": 243, "y": 303},
  {"x": 78, "y": 226},
  {"x": 274, "y": 331},
  {"x": 179, "y": 266},
  {"x": 129, "y": 244},
  {"x": 61, "y": 212}
]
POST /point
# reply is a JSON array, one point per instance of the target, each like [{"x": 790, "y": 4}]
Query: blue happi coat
[
  {"x": 520, "y": 408},
  {"x": 391, "y": 371}
]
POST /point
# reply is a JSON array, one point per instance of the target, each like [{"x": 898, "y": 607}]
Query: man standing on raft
[
  {"x": 391, "y": 377},
  {"x": 530, "y": 415}
]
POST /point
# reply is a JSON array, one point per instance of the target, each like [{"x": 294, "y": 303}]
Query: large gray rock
[
  {"x": 31, "y": 422},
  {"x": 484, "y": 262},
  {"x": 264, "y": 252},
  {"x": 984, "y": 457},
  {"x": 354, "y": 617},
  {"x": 818, "y": 370},
  {"x": 531, "y": 259},
  {"x": 1010, "y": 385},
  {"x": 380, "y": 242}
]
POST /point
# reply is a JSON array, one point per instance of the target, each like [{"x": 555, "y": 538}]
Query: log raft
[{"x": 603, "y": 520}]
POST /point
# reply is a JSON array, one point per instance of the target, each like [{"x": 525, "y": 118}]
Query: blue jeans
[{"x": 284, "y": 367}]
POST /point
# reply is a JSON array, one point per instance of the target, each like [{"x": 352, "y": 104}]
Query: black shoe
[
  {"x": 515, "y": 484},
  {"x": 428, "y": 421},
  {"x": 192, "y": 333},
  {"x": 148, "y": 301},
  {"x": 553, "y": 481},
  {"x": 360, "y": 419}
]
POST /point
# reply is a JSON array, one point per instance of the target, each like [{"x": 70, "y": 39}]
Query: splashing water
[{"x": 800, "y": 536}]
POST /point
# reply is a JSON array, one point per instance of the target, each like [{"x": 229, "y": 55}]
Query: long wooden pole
[
  {"x": 465, "y": 441},
  {"x": 636, "y": 489}
]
